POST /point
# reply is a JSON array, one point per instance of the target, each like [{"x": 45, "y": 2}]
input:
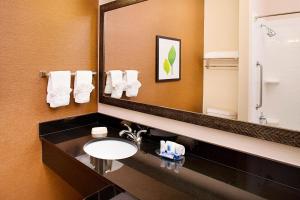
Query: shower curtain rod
[{"x": 279, "y": 14}]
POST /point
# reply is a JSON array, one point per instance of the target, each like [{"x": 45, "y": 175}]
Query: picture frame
[{"x": 168, "y": 59}]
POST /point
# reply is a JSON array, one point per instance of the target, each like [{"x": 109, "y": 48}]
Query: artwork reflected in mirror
[
  {"x": 168, "y": 57},
  {"x": 186, "y": 55}
]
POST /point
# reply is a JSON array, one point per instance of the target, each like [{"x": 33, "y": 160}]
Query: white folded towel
[
  {"x": 58, "y": 89},
  {"x": 132, "y": 83},
  {"x": 117, "y": 83},
  {"x": 108, "y": 84},
  {"x": 222, "y": 54},
  {"x": 83, "y": 86},
  {"x": 221, "y": 113}
]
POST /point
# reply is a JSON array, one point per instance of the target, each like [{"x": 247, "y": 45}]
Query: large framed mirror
[{"x": 181, "y": 60}]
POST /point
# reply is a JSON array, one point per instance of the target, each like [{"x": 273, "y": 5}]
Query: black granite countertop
[{"x": 147, "y": 176}]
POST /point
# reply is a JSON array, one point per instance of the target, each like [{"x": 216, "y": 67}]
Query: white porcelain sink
[{"x": 110, "y": 148}]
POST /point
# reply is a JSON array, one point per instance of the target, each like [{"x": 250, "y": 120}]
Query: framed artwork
[{"x": 168, "y": 59}]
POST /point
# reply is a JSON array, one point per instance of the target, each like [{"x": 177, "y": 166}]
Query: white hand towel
[
  {"x": 132, "y": 83},
  {"x": 222, "y": 54},
  {"x": 58, "y": 89},
  {"x": 117, "y": 83},
  {"x": 83, "y": 86},
  {"x": 108, "y": 84}
]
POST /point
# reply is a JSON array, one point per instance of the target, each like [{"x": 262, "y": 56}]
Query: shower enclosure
[{"x": 275, "y": 74}]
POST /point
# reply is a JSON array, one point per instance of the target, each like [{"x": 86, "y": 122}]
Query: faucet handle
[
  {"x": 127, "y": 124},
  {"x": 138, "y": 134}
]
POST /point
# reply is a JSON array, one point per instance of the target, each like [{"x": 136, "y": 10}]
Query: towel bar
[
  {"x": 123, "y": 72},
  {"x": 44, "y": 74},
  {"x": 220, "y": 66},
  {"x": 230, "y": 63}
]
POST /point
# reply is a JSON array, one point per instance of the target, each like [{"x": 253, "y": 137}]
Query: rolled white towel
[
  {"x": 58, "y": 89},
  {"x": 83, "y": 86},
  {"x": 132, "y": 83},
  {"x": 117, "y": 83},
  {"x": 108, "y": 84},
  {"x": 132, "y": 90}
]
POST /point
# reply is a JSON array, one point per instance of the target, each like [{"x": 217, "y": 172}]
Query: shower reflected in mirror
[{"x": 270, "y": 32}]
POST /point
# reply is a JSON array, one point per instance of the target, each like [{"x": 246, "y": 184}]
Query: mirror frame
[{"x": 279, "y": 135}]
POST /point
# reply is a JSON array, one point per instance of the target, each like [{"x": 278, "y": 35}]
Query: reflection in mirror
[
  {"x": 201, "y": 64},
  {"x": 101, "y": 166},
  {"x": 130, "y": 44},
  {"x": 104, "y": 166}
]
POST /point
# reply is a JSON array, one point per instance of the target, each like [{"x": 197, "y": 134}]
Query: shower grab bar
[
  {"x": 278, "y": 14},
  {"x": 261, "y": 69}
]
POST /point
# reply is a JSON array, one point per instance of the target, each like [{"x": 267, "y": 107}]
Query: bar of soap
[{"x": 98, "y": 132}]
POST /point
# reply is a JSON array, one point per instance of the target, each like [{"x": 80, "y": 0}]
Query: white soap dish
[{"x": 99, "y": 132}]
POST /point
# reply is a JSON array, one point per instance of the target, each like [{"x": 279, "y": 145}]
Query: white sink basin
[{"x": 110, "y": 148}]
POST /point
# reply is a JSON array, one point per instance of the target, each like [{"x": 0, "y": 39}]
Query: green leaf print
[
  {"x": 167, "y": 66},
  {"x": 172, "y": 55}
]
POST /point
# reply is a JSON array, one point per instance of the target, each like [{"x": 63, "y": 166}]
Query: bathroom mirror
[
  {"x": 131, "y": 39},
  {"x": 199, "y": 42}
]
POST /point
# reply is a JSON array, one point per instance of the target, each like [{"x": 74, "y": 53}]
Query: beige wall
[
  {"x": 130, "y": 44},
  {"x": 245, "y": 22},
  {"x": 221, "y": 34},
  {"x": 267, "y": 7},
  {"x": 221, "y": 25},
  {"x": 38, "y": 35}
]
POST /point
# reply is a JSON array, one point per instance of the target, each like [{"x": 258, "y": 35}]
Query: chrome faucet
[
  {"x": 262, "y": 119},
  {"x": 133, "y": 135}
]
